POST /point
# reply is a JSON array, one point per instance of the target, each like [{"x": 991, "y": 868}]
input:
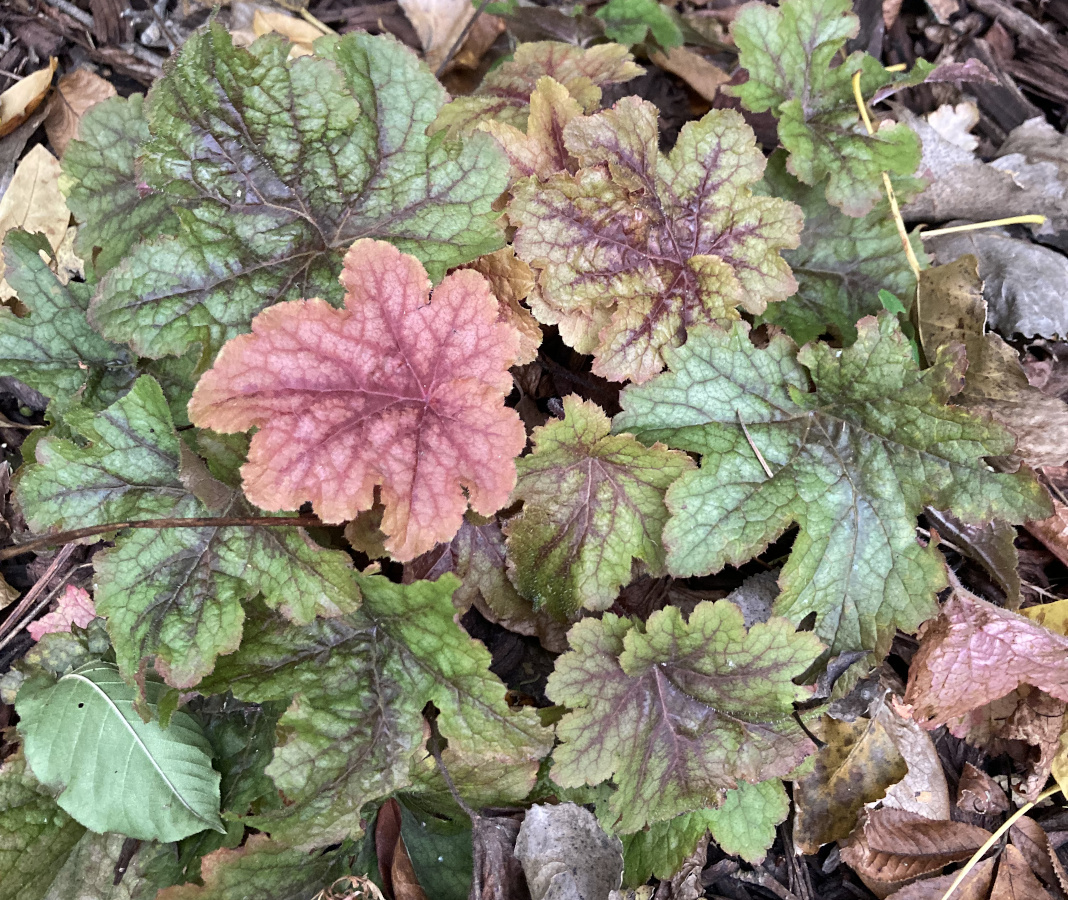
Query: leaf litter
[{"x": 312, "y": 282}]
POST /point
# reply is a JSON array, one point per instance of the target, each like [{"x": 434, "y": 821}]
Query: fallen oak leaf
[{"x": 392, "y": 390}]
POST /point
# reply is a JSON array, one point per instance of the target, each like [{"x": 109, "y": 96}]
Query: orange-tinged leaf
[
  {"x": 395, "y": 390},
  {"x": 511, "y": 282}
]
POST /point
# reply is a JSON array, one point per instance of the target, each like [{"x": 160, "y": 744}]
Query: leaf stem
[
  {"x": 65, "y": 537},
  {"x": 895, "y": 211},
  {"x": 995, "y": 837}
]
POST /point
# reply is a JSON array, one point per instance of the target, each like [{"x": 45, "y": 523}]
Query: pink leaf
[
  {"x": 75, "y": 607},
  {"x": 396, "y": 389}
]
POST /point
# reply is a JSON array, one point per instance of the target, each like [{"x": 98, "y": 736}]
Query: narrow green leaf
[{"x": 117, "y": 772}]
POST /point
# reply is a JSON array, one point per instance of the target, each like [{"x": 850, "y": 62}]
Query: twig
[
  {"x": 763, "y": 878},
  {"x": 69, "y": 9},
  {"x": 459, "y": 42},
  {"x": 755, "y": 449},
  {"x": 31, "y": 596},
  {"x": 66, "y": 537}
]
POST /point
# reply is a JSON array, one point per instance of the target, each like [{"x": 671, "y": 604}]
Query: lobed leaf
[
  {"x": 53, "y": 349},
  {"x": 36, "y": 836},
  {"x": 358, "y": 685},
  {"x": 791, "y": 54},
  {"x": 104, "y": 188},
  {"x": 173, "y": 594},
  {"x": 635, "y": 248},
  {"x": 592, "y": 502},
  {"x": 273, "y": 167},
  {"x": 744, "y": 825},
  {"x": 393, "y": 390},
  {"x": 841, "y": 264},
  {"x": 118, "y": 772},
  {"x": 504, "y": 95},
  {"x": 678, "y": 712},
  {"x": 852, "y": 462},
  {"x": 266, "y": 870}
]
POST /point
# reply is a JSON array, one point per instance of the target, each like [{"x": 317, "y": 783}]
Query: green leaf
[
  {"x": 360, "y": 684},
  {"x": 441, "y": 852},
  {"x": 117, "y": 772},
  {"x": 89, "y": 871},
  {"x": 842, "y": 264},
  {"x": 173, "y": 593},
  {"x": 629, "y": 21},
  {"x": 242, "y": 739},
  {"x": 744, "y": 825},
  {"x": 36, "y": 836},
  {"x": 852, "y": 462},
  {"x": 636, "y": 248},
  {"x": 792, "y": 55},
  {"x": 54, "y": 350},
  {"x": 326, "y": 151},
  {"x": 104, "y": 189},
  {"x": 678, "y": 712},
  {"x": 591, "y": 503},
  {"x": 265, "y": 870}
]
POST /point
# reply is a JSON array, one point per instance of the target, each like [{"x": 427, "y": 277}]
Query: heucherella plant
[{"x": 315, "y": 296}]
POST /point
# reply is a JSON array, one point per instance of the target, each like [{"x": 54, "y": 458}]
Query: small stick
[
  {"x": 34, "y": 592},
  {"x": 755, "y": 449},
  {"x": 65, "y": 537}
]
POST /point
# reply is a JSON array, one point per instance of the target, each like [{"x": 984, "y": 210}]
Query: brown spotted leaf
[
  {"x": 393, "y": 390},
  {"x": 856, "y": 765},
  {"x": 635, "y": 248}
]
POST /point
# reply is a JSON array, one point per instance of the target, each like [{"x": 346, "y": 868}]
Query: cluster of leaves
[{"x": 314, "y": 249}]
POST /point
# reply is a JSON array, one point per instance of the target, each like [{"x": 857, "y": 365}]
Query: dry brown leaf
[
  {"x": 34, "y": 202},
  {"x": 975, "y": 886},
  {"x": 950, "y": 307},
  {"x": 855, "y": 766},
  {"x": 479, "y": 39},
  {"x": 894, "y": 847},
  {"x": 438, "y": 24},
  {"x": 405, "y": 882},
  {"x": 1053, "y": 532},
  {"x": 75, "y": 93},
  {"x": 1033, "y": 843},
  {"x": 302, "y": 34},
  {"x": 923, "y": 790},
  {"x": 1015, "y": 880},
  {"x": 19, "y": 101},
  {"x": 978, "y": 793},
  {"x": 703, "y": 76}
]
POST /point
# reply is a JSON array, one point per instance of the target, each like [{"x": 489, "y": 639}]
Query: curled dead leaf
[{"x": 20, "y": 100}]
